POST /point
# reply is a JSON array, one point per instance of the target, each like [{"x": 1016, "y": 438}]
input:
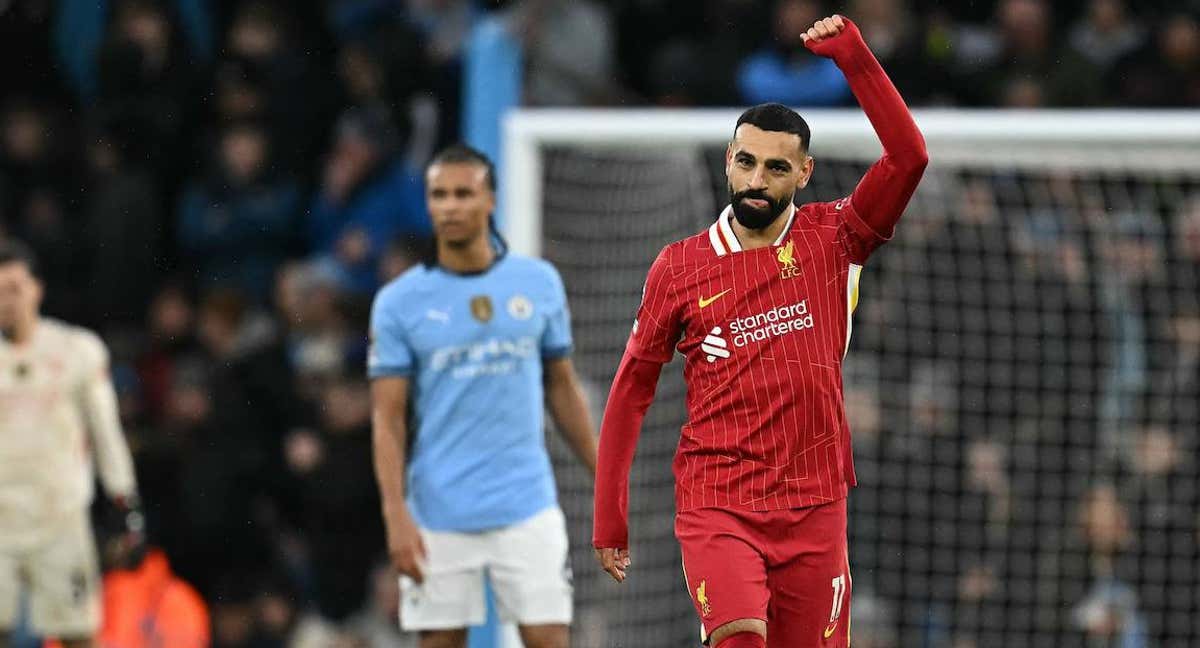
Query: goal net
[{"x": 1022, "y": 385}]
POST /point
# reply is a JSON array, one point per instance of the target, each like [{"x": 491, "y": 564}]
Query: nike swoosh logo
[
  {"x": 704, "y": 303},
  {"x": 830, "y": 630}
]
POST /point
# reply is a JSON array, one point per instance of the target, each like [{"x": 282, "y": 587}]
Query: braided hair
[{"x": 463, "y": 154}]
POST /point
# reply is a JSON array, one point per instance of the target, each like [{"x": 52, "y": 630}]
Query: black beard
[{"x": 753, "y": 218}]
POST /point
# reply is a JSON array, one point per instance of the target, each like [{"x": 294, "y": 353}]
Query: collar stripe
[
  {"x": 727, "y": 231},
  {"x": 714, "y": 237}
]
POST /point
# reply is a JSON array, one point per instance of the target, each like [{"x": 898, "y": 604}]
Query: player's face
[
  {"x": 20, "y": 294},
  {"x": 459, "y": 200},
  {"x": 764, "y": 169}
]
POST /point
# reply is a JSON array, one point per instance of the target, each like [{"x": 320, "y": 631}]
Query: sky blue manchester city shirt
[{"x": 473, "y": 347}]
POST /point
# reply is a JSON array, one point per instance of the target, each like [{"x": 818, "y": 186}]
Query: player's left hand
[
  {"x": 614, "y": 561},
  {"x": 822, "y": 38}
]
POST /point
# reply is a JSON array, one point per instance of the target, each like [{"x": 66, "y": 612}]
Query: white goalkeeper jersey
[{"x": 58, "y": 410}]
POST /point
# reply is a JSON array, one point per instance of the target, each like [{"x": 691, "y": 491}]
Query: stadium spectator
[
  {"x": 317, "y": 328},
  {"x": 147, "y": 606},
  {"x": 1161, "y": 490},
  {"x": 787, "y": 73},
  {"x": 1109, "y": 616},
  {"x": 123, "y": 222},
  {"x": 568, "y": 48},
  {"x": 1187, "y": 240},
  {"x": 1106, "y": 527},
  {"x": 1134, "y": 296},
  {"x": 367, "y": 197},
  {"x": 147, "y": 88},
  {"x": 390, "y": 72},
  {"x": 895, "y": 34},
  {"x": 334, "y": 503},
  {"x": 80, "y": 26},
  {"x": 1183, "y": 402},
  {"x": 228, "y": 407},
  {"x": 695, "y": 48},
  {"x": 445, "y": 26},
  {"x": 38, "y": 185},
  {"x": 1106, "y": 33},
  {"x": 297, "y": 99},
  {"x": 1019, "y": 62},
  {"x": 169, "y": 338},
  {"x": 1166, "y": 71},
  {"x": 239, "y": 220}
]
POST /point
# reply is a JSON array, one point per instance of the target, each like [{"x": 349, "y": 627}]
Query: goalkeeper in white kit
[{"x": 58, "y": 410}]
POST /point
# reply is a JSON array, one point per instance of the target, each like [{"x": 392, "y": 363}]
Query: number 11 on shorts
[{"x": 839, "y": 592}]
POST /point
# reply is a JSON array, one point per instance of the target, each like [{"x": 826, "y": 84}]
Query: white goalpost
[
  {"x": 1023, "y": 385},
  {"x": 1092, "y": 138}
]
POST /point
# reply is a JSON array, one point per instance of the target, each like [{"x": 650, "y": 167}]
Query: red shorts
[{"x": 789, "y": 568}]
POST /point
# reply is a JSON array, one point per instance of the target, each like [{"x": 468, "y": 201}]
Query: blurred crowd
[
  {"x": 1024, "y": 405},
  {"x": 218, "y": 187}
]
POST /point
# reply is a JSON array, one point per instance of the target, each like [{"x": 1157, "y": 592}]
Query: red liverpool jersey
[{"x": 763, "y": 333}]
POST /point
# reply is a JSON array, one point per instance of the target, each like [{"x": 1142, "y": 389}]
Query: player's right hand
[
  {"x": 614, "y": 561},
  {"x": 833, "y": 37},
  {"x": 406, "y": 549}
]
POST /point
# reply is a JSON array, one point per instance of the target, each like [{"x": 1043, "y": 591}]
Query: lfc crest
[
  {"x": 702, "y": 599},
  {"x": 786, "y": 256},
  {"x": 481, "y": 308}
]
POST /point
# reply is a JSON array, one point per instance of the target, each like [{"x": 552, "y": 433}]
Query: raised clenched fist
[
  {"x": 832, "y": 37},
  {"x": 825, "y": 28}
]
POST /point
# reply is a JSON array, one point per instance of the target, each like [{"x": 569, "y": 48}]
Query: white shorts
[
  {"x": 527, "y": 564},
  {"x": 63, "y": 578}
]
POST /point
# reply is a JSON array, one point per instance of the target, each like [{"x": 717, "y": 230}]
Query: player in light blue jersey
[{"x": 467, "y": 351}]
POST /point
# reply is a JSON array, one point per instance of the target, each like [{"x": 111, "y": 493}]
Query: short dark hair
[
  {"x": 777, "y": 118},
  {"x": 14, "y": 251},
  {"x": 463, "y": 154}
]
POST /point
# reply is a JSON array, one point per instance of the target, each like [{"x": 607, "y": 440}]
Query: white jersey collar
[{"x": 724, "y": 241}]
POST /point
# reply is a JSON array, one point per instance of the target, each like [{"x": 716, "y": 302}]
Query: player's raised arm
[
  {"x": 888, "y": 185},
  {"x": 651, "y": 344}
]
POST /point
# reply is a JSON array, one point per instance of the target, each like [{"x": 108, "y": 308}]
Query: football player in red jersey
[{"x": 760, "y": 307}]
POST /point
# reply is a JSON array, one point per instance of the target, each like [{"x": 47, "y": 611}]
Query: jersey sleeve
[
  {"x": 98, "y": 400},
  {"x": 872, "y": 211},
  {"x": 390, "y": 353},
  {"x": 857, "y": 238},
  {"x": 630, "y": 396},
  {"x": 657, "y": 328},
  {"x": 556, "y": 338}
]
